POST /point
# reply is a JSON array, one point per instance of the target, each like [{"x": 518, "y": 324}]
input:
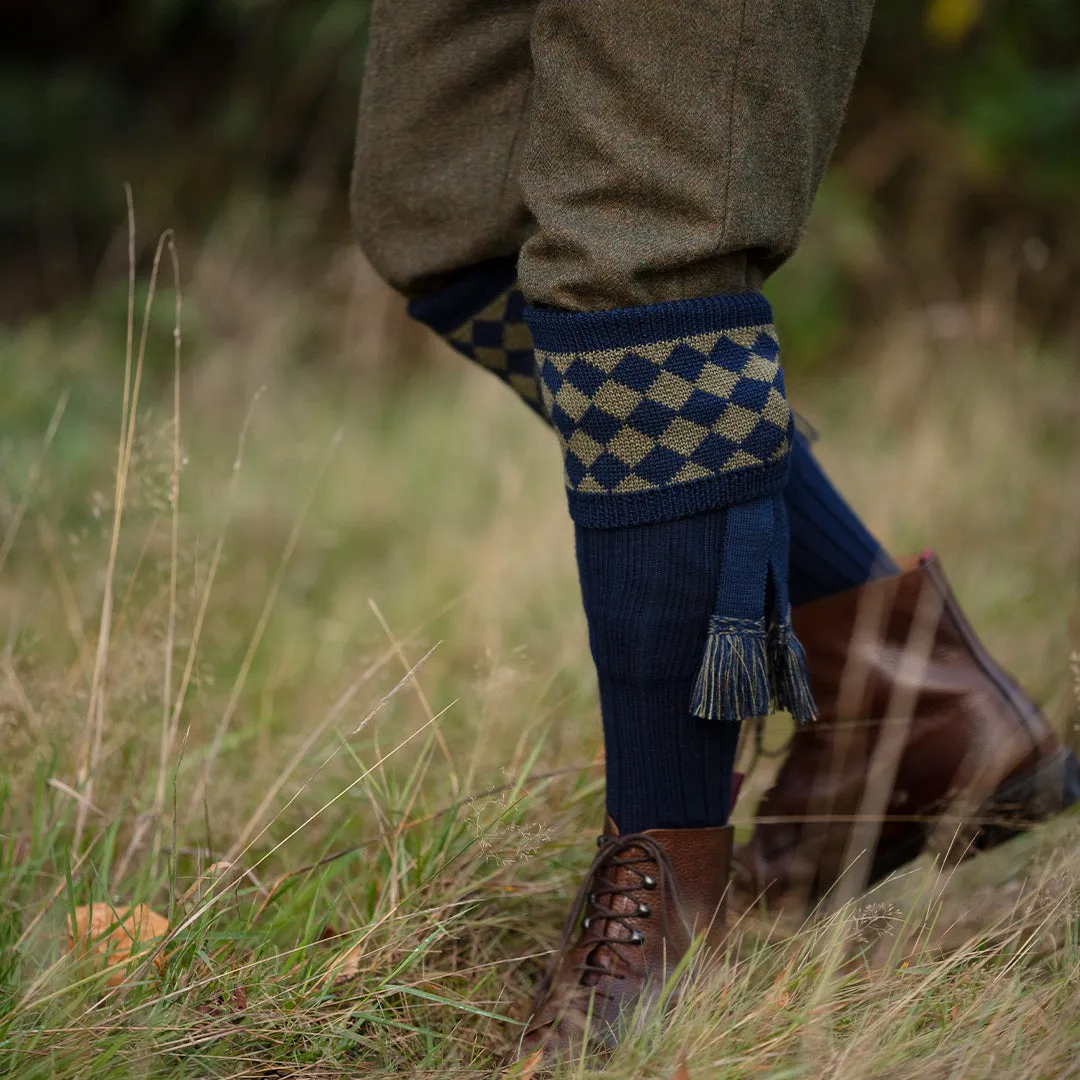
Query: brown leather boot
[
  {"x": 966, "y": 759},
  {"x": 643, "y": 899}
]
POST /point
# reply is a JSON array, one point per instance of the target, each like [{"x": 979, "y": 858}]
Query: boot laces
[{"x": 652, "y": 870}]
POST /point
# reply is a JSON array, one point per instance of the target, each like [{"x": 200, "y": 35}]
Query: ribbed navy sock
[
  {"x": 831, "y": 549},
  {"x": 648, "y": 592}
]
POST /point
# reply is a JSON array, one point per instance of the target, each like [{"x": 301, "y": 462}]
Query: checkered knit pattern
[
  {"x": 666, "y": 410},
  {"x": 499, "y": 340},
  {"x": 482, "y": 316},
  {"x": 672, "y": 417}
]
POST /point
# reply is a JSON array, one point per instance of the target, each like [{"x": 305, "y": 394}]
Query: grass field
[{"x": 294, "y": 656}]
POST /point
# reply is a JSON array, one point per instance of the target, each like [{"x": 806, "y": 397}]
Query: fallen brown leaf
[
  {"x": 343, "y": 967},
  {"x": 229, "y": 1006},
  {"x": 780, "y": 996},
  {"x": 528, "y": 1067},
  {"x": 682, "y": 1072},
  {"x": 118, "y": 936}
]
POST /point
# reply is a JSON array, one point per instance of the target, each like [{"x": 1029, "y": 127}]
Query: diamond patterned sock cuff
[
  {"x": 666, "y": 410},
  {"x": 481, "y": 315}
]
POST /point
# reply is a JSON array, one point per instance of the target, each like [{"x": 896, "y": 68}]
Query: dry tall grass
[{"x": 307, "y": 675}]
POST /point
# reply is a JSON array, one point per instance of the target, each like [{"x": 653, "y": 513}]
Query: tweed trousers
[{"x": 627, "y": 152}]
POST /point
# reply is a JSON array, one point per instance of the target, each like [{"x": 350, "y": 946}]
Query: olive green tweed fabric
[{"x": 632, "y": 151}]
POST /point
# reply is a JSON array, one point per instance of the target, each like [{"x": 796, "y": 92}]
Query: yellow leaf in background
[
  {"x": 948, "y": 22},
  {"x": 117, "y": 936}
]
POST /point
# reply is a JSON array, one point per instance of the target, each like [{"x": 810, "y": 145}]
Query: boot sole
[{"x": 1025, "y": 799}]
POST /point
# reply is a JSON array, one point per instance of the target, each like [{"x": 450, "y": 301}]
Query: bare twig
[
  {"x": 169, "y": 720},
  {"x": 95, "y": 714}
]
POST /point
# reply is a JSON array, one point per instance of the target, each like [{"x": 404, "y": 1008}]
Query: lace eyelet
[
  {"x": 644, "y": 910},
  {"x": 586, "y": 923},
  {"x": 637, "y": 938},
  {"x": 648, "y": 882},
  {"x": 600, "y": 841},
  {"x": 592, "y": 898}
]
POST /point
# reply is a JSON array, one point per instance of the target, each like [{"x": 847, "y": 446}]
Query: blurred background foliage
[{"x": 958, "y": 172}]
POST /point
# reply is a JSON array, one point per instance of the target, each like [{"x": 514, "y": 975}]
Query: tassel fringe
[
  {"x": 791, "y": 683},
  {"x": 733, "y": 681},
  {"x": 748, "y": 671}
]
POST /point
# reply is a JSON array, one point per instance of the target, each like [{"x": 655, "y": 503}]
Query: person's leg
[
  {"x": 440, "y": 214},
  {"x": 670, "y": 162},
  {"x": 437, "y": 208}
]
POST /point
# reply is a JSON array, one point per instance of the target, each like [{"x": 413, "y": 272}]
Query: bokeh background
[
  {"x": 316, "y": 494},
  {"x": 958, "y": 170},
  {"x": 930, "y": 322}
]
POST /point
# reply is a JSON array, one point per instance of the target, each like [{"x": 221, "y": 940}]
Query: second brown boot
[
  {"x": 642, "y": 902},
  {"x": 922, "y": 740}
]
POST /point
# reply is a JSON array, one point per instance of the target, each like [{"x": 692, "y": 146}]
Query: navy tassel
[
  {"x": 791, "y": 683},
  {"x": 787, "y": 660},
  {"x": 733, "y": 681},
  {"x": 747, "y": 670}
]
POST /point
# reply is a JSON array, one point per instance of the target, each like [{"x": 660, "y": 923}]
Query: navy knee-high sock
[
  {"x": 648, "y": 593},
  {"x": 665, "y": 765},
  {"x": 831, "y": 549},
  {"x": 676, "y": 435}
]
